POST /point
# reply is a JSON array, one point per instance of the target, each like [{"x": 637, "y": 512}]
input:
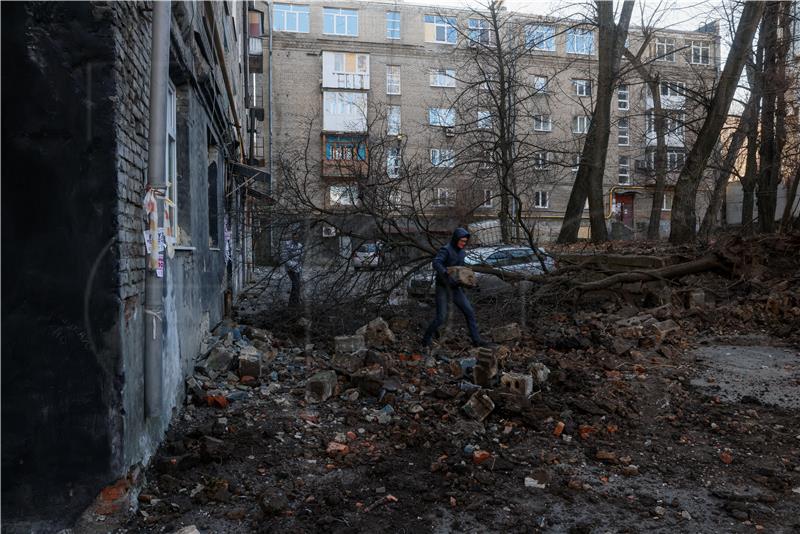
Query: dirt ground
[{"x": 654, "y": 417}]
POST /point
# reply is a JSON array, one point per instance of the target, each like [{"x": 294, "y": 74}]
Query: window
[
  {"x": 479, "y": 32},
  {"x": 345, "y": 70},
  {"x": 542, "y": 123},
  {"x": 665, "y": 49},
  {"x": 580, "y": 41},
  {"x": 540, "y": 84},
  {"x": 442, "y": 117},
  {"x": 701, "y": 52},
  {"x": 392, "y": 79},
  {"x": 393, "y": 25},
  {"x": 624, "y": 170},
  {"x": 541, "y": 160},
  {"x": 344, "y": 148},
  {"x": 576, "y": 163},
  {"x": 443, "y": 78},
  {"x": 443, "y": 196},
  {"x": 171, "y": 171},
  {"x": 623, "y": 129},
  {"x": 340, "y": 21},
  {"x": 440, "y": 29},
  {"x": 290, "y": 18},
  {"x": 666, "y": 205},
  {"x": 255, "y": 29},
  {"x": 213, "y": 200},
  {"x": 541, "y": 199},
  {"x": 580, "y": 124},
  {"x": 484, "y": 119},
  {"x": 443, "y": 157},
  {"x": 672, "y": 88},
  {"x": 540, "y": 37},
  {"x": 623, "y": 102},
  {"x": 393, "y": 162},
  {"x": 488, "y": 199},
  {"x": 393, "y": 120},
  {"x": 343, "y": 195},
  {"x": 344, "y": 111},
  {"x": 488, "y": 159},
  {"x": 582, "y": 87},
  {"x": 675, "y": 160},
  {"x": 675, "y": 124}
]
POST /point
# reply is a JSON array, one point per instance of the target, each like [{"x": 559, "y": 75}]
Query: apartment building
[{"x": 395, "y": 94}]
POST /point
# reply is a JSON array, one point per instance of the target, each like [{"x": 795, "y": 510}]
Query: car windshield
[{"x": 368, "y": 247}]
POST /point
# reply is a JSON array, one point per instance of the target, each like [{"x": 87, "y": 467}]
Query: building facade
[
  {"x": 75, "y": 158},
  {"x": 395, "y": 94}
]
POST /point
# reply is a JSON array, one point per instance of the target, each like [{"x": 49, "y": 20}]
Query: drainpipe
[
  {"x": 269, "y": 110},
  {"x": 156, "y": 169}
]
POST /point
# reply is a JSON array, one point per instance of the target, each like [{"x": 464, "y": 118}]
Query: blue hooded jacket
[{"x": 449, "y": 256}]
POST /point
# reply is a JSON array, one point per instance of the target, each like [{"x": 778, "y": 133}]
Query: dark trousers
[
  {"x": 443, "y": 294},
  {"x": 294, "y": 295}
]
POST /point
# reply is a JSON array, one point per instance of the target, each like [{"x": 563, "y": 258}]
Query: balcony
[{"x": 344, "y": 156}]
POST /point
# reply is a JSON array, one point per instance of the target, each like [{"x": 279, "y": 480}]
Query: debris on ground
[{"x": 596, "y": 407}]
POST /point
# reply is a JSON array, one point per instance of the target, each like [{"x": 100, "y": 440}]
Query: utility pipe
[{"x": 157, "y": 182}]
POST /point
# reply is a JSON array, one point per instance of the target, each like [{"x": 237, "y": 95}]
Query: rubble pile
[{"x": 594, "y": 412}]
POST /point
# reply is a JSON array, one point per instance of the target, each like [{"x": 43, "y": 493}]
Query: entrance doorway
[{"x": 625, "y": 203}]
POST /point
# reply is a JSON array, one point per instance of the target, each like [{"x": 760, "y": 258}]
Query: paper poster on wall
[{"x": 160, "y": 268}]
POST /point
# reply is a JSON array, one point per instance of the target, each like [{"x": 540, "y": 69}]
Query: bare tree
[
  {"x": 683, "y": 225},
  {"x": 589, "y": 181}
]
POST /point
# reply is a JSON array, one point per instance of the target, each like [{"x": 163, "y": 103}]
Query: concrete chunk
[
  {"x": 377, "y": 333},
  {"x": 347, "y": 344},
  {"x": 250, "y": 366},
  {"x": 518, "y": 383},
  {"x": 507, "y": 333},
  {"x": 321, "y": 386},
  {"x": 463, "y": 275},
  {"x": 479, "y": 406}
]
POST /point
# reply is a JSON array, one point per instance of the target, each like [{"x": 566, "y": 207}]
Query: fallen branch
[{"x": 706, "y": 263}]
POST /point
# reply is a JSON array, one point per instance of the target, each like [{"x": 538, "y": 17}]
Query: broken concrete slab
[
  {"x": 479, "y": 406},
  {"x": 540, "y": 372},
  {"x": 348, "y": 363},
  {"x": 463, "y": 276},
  {"x": 219, "y": 360},
  {"x": 321, "y": 386},
  {"x": 347, "y": 344},
  {"x": 377, "y": 333},
  {"x": 507, "y": 333}
]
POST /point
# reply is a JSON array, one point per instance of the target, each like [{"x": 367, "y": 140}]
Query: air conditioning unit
[
  {"x": 328, "y": 231},
  {"x": 450, "y": 132}
]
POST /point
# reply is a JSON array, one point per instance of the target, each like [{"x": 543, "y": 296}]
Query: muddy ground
[{"x": 665, "y": 415}]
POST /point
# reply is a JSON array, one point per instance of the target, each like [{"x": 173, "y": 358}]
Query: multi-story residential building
[
  {"x": 77, "y": 410},
  {"x": 395, "y": 94}
]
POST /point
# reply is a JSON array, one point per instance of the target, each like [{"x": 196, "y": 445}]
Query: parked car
[
  {"x": 505, "y": 258},
  {"x": 369, "y": 255}
]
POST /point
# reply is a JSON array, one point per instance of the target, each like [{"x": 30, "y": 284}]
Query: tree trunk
[
  {"x": 768, "y": 150},
  {"x": 683, "y": 207},
  {"x": 711, "y": 219},
  {"x": 748, "y": 196},
  {"x": 660, "y": 161},
  {"x": 790, "y": 200},
  {"x": 589, "y": 181}
]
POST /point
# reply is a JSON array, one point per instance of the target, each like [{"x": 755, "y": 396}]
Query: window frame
[
  {"x": 394, "y": 115},
  {"x": 542, "y": 164},
  {"x": 482, "y": 27},
  {"x": 439, "y": 74},
  {"x": 484, "y": 121},
  {"x": 293, "y": 9},
  {"x": 577, "y": 119},
  {"x": 394, "y": 161},
  {"x": 699, "y": 46},
  {"x": 666, "y": 201},
  {"x": 586, "y": 85},
  {"x": 544, "y": 126},
  {"x": 348, "y": 191},
  {"x": 443, "y": 200},
  {"x": 538, "y": 197},
  {"x": 665, "y": 49},
  {"x": 171, "y": 159},
  {"x": 449, "y": 26},
  {"x": 622, "y": 89},
  {"x": 442, "y": 117},
  {"x": 488, "y": 199},
  {"x": 540, "y": 88},
  {"x": 390, "y": 22},
  {"x": 573, "y": 34},
  {"x": 627, "y": 167},
  {"x": 620, "y": 129},
  {"x": 441, "y": 162},
  {"x": 336, "y": 13},
  {"x": 391, "y": 70},
  {"x": 531, "y": 41}
]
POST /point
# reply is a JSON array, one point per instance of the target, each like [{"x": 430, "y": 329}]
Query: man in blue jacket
[{"x": 451, "y": 255}]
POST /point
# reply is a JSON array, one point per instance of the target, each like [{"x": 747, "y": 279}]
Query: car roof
[{"x": 486, "y": 251}]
